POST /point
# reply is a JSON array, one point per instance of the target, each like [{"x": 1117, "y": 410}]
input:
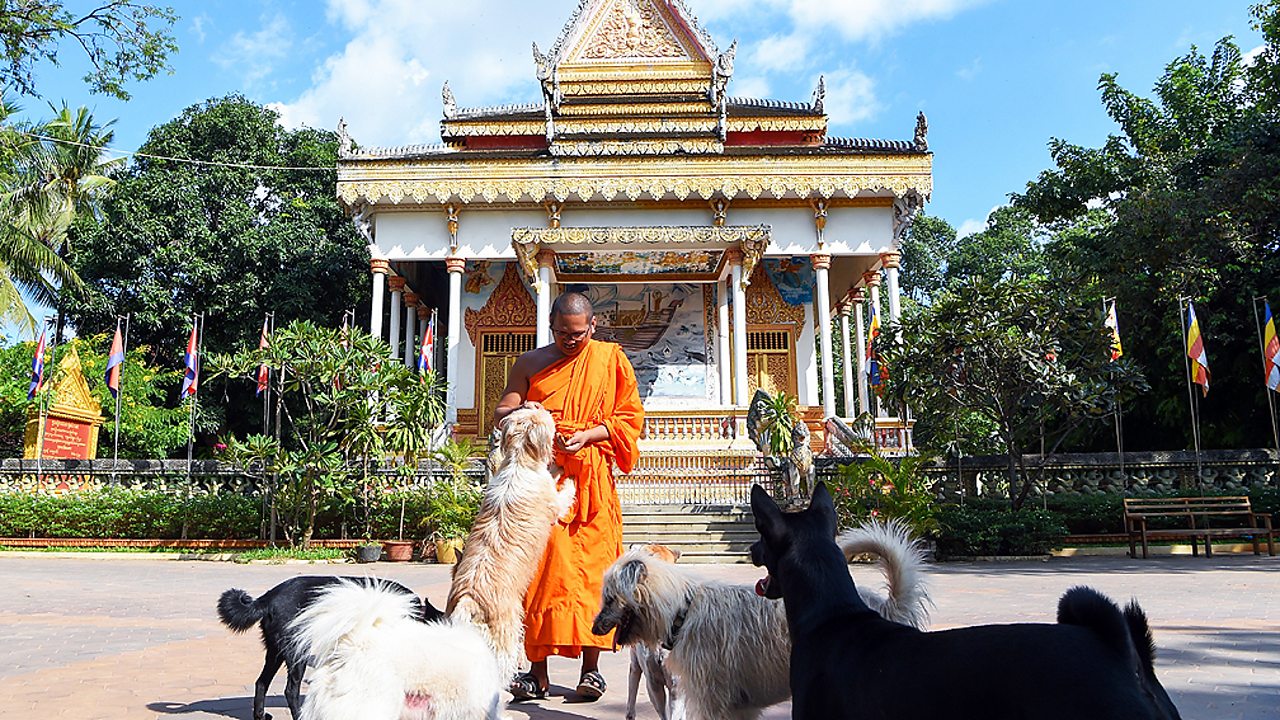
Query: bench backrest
[{"x": 1225, "y": 505}]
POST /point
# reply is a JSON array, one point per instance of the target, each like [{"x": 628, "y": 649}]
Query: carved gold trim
[
  {"x": 625, "y": 29},
  {"x": 646, "y": 86},
  {"x": 778, "y": 124},
  {"x": 655, "y": 125},
  {"x": 464, "y": 128},
  {"x": 753, "y": 239},
  {"x": 509, "y": 305},
  {"x": 423, "y": 181},
  {"x": 765, "y": 305},
  {"x": 570, "y": 123},
  {"x": 671, "y": 108},
  {"x": 599, "y": 148}
]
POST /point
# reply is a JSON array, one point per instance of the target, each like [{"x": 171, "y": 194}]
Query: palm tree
[
  {"x": 30, "y": 269},
  {"x": 53, "y": 174}
]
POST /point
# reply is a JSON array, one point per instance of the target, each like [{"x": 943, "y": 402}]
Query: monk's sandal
[
  {"x": 591, "y": 686},
  {"x": 525, "y": 687}
]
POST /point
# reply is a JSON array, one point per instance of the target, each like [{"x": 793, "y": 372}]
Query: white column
[
  {"x": 847, "y": 365},
  {"x": 723, "y": 362},
  {"x": 396, "y": 283},
  {"x": 890, "y": 261},
  {"x": 410, "y": 328},
  {"x": 379, "y": 268},
  {"x": 739, "y": 328},
  {"x": 808, "y": 379},
  {"x": 456, "y": 266},
  {"x": 860, "y": 324},
  {"x": 821, "y": 265},
  {"x": 546, "y": 259}
]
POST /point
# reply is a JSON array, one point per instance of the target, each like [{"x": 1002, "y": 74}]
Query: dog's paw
[{"x": 565, "y": 498}]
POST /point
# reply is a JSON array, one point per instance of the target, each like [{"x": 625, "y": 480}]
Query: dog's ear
[
  {"x": 633, "y": 573},
  {"x": 675, "y": 554},
  {"x": 823, "y": 508},
  {"x": 537, "y": 440},
  {"x": 767, "y": 513}
]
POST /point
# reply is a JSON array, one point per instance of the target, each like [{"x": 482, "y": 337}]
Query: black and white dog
[
  {"x": 274, "y": 611},
  {"x": 849, "y": 662}
]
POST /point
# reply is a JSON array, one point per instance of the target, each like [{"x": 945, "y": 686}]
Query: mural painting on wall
[
  {"x": 661, "y": 327},
  {"x": 629, "y": 262},
  {"x": 793, "y": 277}
]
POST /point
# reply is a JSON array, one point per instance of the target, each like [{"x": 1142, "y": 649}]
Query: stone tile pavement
[{"x": 120, "y": 636}]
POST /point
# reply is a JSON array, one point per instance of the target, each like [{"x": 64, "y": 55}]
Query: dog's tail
[
  {"x": 1127, "y": 634},
  {"x": 238, "y": 610},
  {"x": 348, "y": 609},
  {"x": 901, "y": 560}
]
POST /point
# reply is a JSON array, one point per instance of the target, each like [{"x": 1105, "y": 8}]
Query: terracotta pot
[
  {"x": 398, "y": 550},
  {"x": 448, "y": 551}
]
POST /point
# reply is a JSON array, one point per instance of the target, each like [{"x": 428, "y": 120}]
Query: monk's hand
[
  {"x": 574, "y": 442},
  {"x": 531, "y": 405}
]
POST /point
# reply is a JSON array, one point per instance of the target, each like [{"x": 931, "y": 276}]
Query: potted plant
[
  {"x": 368, "y": 551},
  {"x": 454, "y": 503}
]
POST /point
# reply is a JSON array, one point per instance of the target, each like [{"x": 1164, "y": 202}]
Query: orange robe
[{"x": 597, "y": 387}]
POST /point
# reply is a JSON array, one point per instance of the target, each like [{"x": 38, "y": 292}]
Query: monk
[{"x": 589, "y": 387}]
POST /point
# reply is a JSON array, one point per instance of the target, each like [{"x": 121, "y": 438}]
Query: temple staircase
[{"x": 702, "y": 533}]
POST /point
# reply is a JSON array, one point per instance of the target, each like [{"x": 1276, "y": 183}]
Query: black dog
[
  {"x": 275, "y": 610},
  {"x": 849, "y": 662}
]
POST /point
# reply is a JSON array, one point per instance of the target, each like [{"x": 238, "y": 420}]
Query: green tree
[
  {"x": 346, "y": 405},
  {"x": 1014, "y": 352},
  {"x": 1182, "y": 202},
  {"x": 218, "y": 237},
  {"x": 926, "y": 249},
  {"x": 122, "y": 40}
]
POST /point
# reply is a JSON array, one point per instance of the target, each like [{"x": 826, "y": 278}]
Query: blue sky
[{"x": 996, "y": 78}]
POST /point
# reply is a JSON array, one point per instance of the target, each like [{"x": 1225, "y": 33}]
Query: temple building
[{"x": 727, "y": 243}]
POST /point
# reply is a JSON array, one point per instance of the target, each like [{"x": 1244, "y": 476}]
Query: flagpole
[
  {"x": 115, "y": 450},
  {"x": 40, "y": 400},
  {"x": 1107, "y": 303},
  {"x": 1266, "y": 389},
  {"x": 1191, "y": 396},
  {"x": 191, "y": 422},
  {"x": 266, "y": 392}
]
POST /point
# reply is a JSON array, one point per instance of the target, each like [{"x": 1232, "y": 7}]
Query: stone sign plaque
[
  {"x": 69, "y": 438},
  {"x": 70, "y": 424}
]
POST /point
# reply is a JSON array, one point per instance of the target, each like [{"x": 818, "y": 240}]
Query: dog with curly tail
[
  {"x": 727, "y": 646},
  {"x": 374, "y": 663}
]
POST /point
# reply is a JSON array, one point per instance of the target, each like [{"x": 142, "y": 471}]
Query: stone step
[
  {"x": 702, "y": 533},
  {"x": 635, "y": 535}
]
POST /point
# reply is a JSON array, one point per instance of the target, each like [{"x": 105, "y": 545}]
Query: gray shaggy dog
[{"x": 728, "y": 646}]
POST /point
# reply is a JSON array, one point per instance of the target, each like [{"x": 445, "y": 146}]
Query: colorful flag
[
  {"x": 1117, "y": 350},
  {"x": 37, "y": 368},
  {"x": 1271, "y": 350},
  {"x": 1195, "y": 351},
  {"x": 427, "y": 354},
  {"x": 264, "y": 372},
  {"x": 190, "y": 380},
  {"x": 114, "y": 360},
  {"x": 873, "y": 360}
]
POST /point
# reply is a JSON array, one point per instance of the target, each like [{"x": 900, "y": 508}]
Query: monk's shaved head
[{"x": 572, "y": 303}]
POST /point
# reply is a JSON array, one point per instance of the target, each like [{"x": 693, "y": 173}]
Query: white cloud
[
  {"x": 781, "y": 53},
  {"x": 871, "y": 20},
  {"x": 970, "y": 71},
  {"x": 850, "y": 96},
  {"x": 754, "y": 86},
  {"x": 970, "y": 226},
  {"x": 386, "y": 81},
  {"x": 197, "y": 26},
  {"x": 254, "y": 55},
  {"x": 1249, "y": 58}
]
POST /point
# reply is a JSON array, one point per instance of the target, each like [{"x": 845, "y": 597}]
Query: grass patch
[
  {"x": 285, "y": 554},
  {"x": 135, "y": 550}
]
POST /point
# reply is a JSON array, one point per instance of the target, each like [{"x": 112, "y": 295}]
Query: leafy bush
[
  {"x": 131, "y": 514},
  {"x": 1089, "y": 514},
  {"x": 885, "y": 488},
  {"x": 991, "y": 528}
]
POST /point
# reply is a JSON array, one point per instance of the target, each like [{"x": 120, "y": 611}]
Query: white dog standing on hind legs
[
  {"x": 728, "y": 648},
  {"x": 374, "y": 662}
]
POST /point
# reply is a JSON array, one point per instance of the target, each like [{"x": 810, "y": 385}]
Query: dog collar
[{"x": 674, "y": 631}]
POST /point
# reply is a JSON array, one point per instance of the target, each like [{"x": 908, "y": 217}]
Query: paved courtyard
[{"x": 94, "y": 637}]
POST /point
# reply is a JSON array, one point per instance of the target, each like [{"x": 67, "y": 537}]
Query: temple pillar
[
  {"x": 410, "y": 327},
  {"x": 379, "y": 269},
  {"x": 734, "y": 256},
  {"x": 860, "y": 335},
  {"x": 456, "y": 266},
  {"x": 722, "y": 344},
  {"x": 846, "y": 376},
  {"x": 546, "y": 261},
  {"x": 891, "y": 261},
  {"x": 396, "y": 284},
  {"x": 821, "y": 265}
]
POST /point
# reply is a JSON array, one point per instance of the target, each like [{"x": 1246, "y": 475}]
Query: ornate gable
[{"x": 628, "y": 30}]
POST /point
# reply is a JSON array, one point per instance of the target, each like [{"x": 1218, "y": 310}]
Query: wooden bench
[{"x": 1199, "y": 513}]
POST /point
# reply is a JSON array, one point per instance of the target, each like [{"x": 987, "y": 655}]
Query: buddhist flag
[
  {"x": 873, "y": 361},
  {"x": 114, "y": 360},
  {"x": 191, "y": 361},
  {"x": 264, "y": 372},
  {"x": 37, "y": 367},
  {"x": 427, "y": 354},
  {"x": 1117, "y": 350},
  {"x": 1271, "y": 350},
  {"x": 1195, "y": 351}
]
